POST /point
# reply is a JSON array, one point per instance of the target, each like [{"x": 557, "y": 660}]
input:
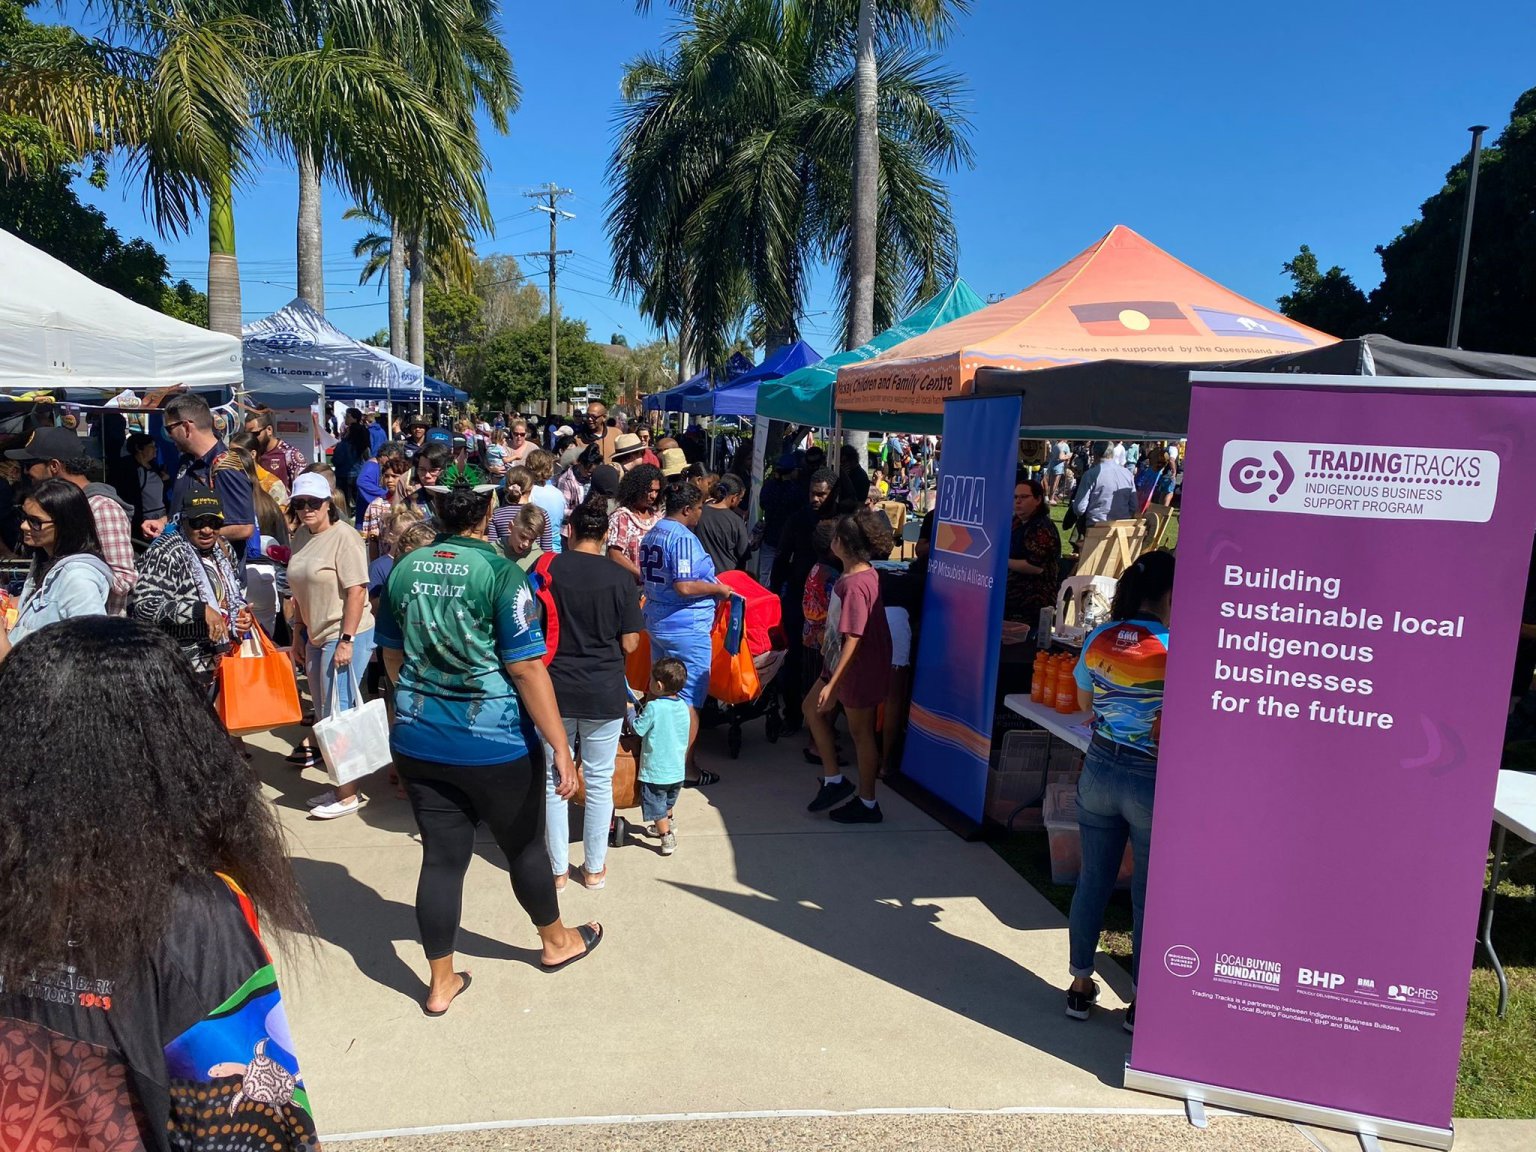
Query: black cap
[
  {"x": 49, "y": 444},
  {"x": 200, "y": 502},
  {"x": 605, "y": 480}
]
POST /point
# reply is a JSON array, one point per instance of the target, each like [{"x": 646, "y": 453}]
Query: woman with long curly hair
[
  {"x": 638, "y": 512},
  {"x": 139, "y": 1002}
]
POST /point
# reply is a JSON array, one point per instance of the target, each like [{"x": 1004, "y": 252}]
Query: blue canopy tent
[
  {"x": 739, "y": 397},
  {"x": 672, "y": 399}
]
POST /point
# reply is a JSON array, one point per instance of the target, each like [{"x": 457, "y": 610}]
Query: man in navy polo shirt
[{"x": 189, "y": 425}]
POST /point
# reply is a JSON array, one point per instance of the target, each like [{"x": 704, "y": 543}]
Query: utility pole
[{"x": 552, "y": 194}]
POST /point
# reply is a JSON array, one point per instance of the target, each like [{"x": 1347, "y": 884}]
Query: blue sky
[{"x": 1225, "y": 133}]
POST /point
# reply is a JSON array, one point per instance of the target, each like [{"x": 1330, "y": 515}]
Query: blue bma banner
[{"x": 949, "y": 734}]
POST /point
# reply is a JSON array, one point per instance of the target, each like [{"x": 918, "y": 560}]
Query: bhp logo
[
  {"x": 1312, "y": 978},
  {"x": 1250, "y": 475}
]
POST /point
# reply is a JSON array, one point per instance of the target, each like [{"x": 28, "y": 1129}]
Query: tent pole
[{"x": 835, "y": 456}]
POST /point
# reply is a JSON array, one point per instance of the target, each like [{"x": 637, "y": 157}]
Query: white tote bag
[{"x": 353, "y": 742}]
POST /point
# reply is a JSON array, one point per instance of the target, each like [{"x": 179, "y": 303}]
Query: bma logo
[
  {"x": 1250, "y": 475},
  {"x": 962, "y": 506},
  {"x": 1313, "y": 978}
]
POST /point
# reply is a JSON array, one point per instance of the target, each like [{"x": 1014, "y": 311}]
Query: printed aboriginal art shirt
[
  {"x": 459, "y": 611},
  {"x": 190, "y": 1054},
  {"x": 1124, "y": 664}
]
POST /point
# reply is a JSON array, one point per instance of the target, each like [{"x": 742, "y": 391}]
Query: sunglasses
[
  {"x": 175, "y": 424},
  {"x": 203, "y": 523},
  {"x": 305, "y": 504},
  {"x": 35, "y": 522}
]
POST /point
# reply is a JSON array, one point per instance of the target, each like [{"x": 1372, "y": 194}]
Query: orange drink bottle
[
  {"x": 1066, "y": 688},
  {"x": 1037, "y": 678}
]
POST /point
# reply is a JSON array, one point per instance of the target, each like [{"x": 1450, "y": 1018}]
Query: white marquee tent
[
  {"x": 298, "y": 346},
  {"x": 60, "y": 329}
]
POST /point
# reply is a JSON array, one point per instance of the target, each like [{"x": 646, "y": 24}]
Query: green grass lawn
[
  {"x": 1498, "y": 1057},
  {"x": 1171, "y": 542}
]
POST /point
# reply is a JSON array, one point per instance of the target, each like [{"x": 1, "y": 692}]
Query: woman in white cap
[{"x": 333, "y": 625}]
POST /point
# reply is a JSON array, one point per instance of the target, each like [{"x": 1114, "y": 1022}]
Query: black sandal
[
  {"x": 590, "y": 936},
  {"x": 463, "y": 988},
  {"x": 706, "y": 778}
]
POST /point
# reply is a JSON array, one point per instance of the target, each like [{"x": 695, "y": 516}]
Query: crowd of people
[{"x": 495, "y": 584}]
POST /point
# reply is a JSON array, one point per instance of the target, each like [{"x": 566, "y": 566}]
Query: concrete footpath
[{"x": 776, "y": 964}]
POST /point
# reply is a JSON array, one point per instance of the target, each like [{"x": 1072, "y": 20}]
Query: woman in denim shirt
[
  {"x": 68, "y": 578},
  {"x": 1120, "y": 675}
]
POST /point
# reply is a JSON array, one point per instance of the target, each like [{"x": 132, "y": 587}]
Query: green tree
[
  {"x": 185, "y": 302},
  {"x": 732, "y": 174},
  {"x": 1328, "y": 301},
  {"x": 454, "y": 332},
  {"x": 1419, "y": 264},
  {"x": 508, "y": 298},
  {"x": 513, "y": 367}
]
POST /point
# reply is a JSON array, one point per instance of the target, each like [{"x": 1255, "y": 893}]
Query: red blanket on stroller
[{"x": 763, "y": 615}]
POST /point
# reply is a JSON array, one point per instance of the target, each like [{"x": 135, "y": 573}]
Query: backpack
[{"x": 542, "y": 580}]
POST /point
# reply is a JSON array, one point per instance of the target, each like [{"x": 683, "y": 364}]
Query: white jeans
[{"x": 599, "y": 746}]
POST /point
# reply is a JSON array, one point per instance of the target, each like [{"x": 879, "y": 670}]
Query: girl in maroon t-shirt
[{"x": 859, "y": 676}]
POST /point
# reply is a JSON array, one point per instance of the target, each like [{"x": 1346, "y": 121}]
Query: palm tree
[
  {"x": 384, "y": 252},
  {"x": 192, "y": 88},
  {"x": 170, "y": 88},
  {"x": 453, "y": 54},
  {"x": 733, "y": 167}
]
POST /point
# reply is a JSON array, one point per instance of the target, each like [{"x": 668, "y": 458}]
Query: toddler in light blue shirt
[{"x": 662, "y": 724}]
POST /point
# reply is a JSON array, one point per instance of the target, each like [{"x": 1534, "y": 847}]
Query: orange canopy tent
[{"x": 1122, "y": 299}]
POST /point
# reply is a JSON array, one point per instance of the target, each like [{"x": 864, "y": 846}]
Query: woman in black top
[
  {"x": 721, "y": 530},
  {"x": 597, "y": 622}
]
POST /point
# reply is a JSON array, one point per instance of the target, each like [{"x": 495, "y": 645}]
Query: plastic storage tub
[
  {"x": 1018, "y": 780},
  {"x": 1059, "y": 813}
]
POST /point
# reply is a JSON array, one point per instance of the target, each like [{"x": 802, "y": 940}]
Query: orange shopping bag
[
  {"x": 257, "y": 689},
  {"x": 732, "y": 675},
  {"x": 637, "y": 665}
]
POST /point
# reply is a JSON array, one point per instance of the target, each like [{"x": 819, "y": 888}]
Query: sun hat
[
  {"x": 310, "y": 485},
  {"x": 627, "y": 445},
  {"x": 673, "y": 462}
]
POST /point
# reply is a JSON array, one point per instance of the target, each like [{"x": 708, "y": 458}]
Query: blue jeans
[
  {"x": 1114, "y": 800},
  {"x": 318, "y": 663},
  {"x": 599, "y": 746}
]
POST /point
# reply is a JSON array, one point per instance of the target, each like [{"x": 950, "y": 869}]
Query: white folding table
[{"x": 1514, "y": 810}]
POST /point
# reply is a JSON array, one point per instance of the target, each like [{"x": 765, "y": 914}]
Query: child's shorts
[{"x": 656, "y": 800}]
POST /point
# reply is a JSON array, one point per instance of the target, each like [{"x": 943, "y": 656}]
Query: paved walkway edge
[{"x": 771, "y": 1114}]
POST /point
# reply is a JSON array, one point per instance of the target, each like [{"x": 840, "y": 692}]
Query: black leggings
[{"x": 449, "y": 800}]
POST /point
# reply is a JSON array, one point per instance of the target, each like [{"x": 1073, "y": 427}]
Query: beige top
[{"x": 323, "y": 567}]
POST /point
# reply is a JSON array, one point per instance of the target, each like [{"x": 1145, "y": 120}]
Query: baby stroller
[{"x": 765, "y": 640}]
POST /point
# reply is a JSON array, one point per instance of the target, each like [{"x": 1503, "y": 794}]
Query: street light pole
[{"x": 1454, "y": 339}]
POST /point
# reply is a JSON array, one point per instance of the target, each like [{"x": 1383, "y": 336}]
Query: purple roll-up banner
[{"x": 1351, "y": 563}]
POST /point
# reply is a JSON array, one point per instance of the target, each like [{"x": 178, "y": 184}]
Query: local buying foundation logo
[{"x": 1363, "y": 481}]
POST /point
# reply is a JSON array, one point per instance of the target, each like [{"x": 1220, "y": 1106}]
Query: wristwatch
[{"x": 344, "y": 638}]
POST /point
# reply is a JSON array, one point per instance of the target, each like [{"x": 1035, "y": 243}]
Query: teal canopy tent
[{"x": 805, "y": 397}]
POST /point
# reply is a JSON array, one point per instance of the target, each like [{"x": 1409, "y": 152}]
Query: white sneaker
[
  {"x": 326, "y": 797},
  {"x": 669, "y": 844},
  {"x": 338, "y": 808}
]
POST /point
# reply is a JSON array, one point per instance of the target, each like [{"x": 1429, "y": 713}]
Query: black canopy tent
[{"x": 1151, "y": 399}]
